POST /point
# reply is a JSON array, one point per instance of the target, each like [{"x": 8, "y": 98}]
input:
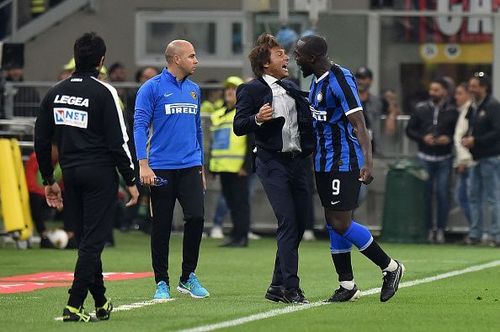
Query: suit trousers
[{"x": 285, "y": 183}]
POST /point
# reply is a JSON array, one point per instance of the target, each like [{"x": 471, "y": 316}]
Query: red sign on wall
[
  {"x": 450, "y": 29},
  {"x": 31, "y": 282}
]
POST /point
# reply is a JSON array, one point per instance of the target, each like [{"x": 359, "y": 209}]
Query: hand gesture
[
  {"x": 265, "y": 113},
  {"x": 146, "y": 174},
  {"x": 53, "y": 196},
  {"x": 429, "y": 139},
  {"x": 134, "y": 195},
  {"x": 365, "y": 175}
]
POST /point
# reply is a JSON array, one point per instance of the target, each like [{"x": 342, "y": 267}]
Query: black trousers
[
  {"x": 186, "y": 186},
  {"x": 89, "y": 203},
  {"x": 40, "y": 212},
  {"x": 236, "y": 192},
  {"x": 286, "y": 186}
]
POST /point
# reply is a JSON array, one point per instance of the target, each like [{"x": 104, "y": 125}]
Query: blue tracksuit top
[{"x": 168, "y": 113}]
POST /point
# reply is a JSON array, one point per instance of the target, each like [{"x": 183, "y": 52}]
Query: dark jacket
[
  {"x": 83, "y": 116},
  {"x": 484, "y": 126},
  {"x": 422, "y": 123},
  {"x": 250, "y": 98}
]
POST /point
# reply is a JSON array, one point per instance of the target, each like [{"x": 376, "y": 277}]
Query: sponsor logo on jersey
[
  {"x": 181, "y": 108},
  {"x": 71, "y": 100},
  {"x": 318, "y": 115},
  {"x": 70, "y": 117}
]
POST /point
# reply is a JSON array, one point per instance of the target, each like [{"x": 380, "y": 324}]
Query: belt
[{"x": 290, "y": 154}]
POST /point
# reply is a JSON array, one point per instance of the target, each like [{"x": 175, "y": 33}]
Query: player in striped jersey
[{"x": 342, "y": 160}]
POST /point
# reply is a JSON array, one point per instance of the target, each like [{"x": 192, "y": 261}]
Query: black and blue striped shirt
[{"x": 334, "y": 96}]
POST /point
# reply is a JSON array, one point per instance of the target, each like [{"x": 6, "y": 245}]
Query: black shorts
[{"x": 338, "y": 190}]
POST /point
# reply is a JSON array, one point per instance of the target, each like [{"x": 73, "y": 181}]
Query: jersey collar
[{"x": 322, "y": 76}]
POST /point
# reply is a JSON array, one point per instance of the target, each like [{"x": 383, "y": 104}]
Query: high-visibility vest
[
  {"x": 228, "y": 151},
  {"x": 37, "y": 6}
]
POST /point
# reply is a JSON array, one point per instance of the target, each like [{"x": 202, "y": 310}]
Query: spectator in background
[
  {"x": 391, "y": 109},
  {"x": 373, "y": 107},
  {"x": 463, "y": 158},
  {"x": 145, "y": 73},
  {"x": 231, "y": 159},
  {"x": 40, "y": 211},
  {"x": 69, "y": 68},
  {"x": 213, "y": 100},
  {"x": 26, "y": 98},
  {"x": 117, "y": 74},
  {"x": 138, "y": 214},
  {"x": 483, "y": 141},
  {"x": 432, "y": 126}
]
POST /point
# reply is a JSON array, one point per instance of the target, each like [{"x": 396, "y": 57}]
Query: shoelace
[
  {"x": 194, "y": 282},
  {"x": 163, "y": 288}
]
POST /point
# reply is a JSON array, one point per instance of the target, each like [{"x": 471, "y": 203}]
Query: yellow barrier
[{"x": 14, "y": 191}]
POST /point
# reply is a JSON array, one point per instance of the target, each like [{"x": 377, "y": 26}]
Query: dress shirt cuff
[{"x": 257, "y": 122}]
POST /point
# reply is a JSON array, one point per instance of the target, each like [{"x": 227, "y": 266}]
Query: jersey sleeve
[
  {"x": 199, "y": 130},
  {"x": 144, "y": 107},
  {"x": 44, "y": 130},
  {"x": 346, "y": 90},
  {"x": 116, "y": 135}
]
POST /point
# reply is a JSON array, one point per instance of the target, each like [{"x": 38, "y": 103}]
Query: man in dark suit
[{"x": 278, "y": 114}]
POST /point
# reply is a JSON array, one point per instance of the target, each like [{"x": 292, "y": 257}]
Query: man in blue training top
[
  {"x": 167, "y": 112},
  {"x": 342, "y": 160}
]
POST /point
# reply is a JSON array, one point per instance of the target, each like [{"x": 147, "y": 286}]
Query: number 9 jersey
[{"x": 334, "y": 96}]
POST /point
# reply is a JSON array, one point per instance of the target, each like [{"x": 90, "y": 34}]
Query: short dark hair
[
  {"x": 88, "y": 51},
  {"x": 483, "y": 79},
  {"x": 441, "y": 81},
  {"x": 261, "y": 53},
  {"x": 316, "y": 45},
  {"x": 115, "y": 66}
]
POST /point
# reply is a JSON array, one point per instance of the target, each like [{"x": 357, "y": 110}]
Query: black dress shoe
[
  {"x": 243, "y": 242},
  {"x": 275, "y": 293},
  {"x": 294, "y": 296}
]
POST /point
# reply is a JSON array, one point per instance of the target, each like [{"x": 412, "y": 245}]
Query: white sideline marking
[
  {"x": 293, "y": 308},
  {"x": 126, "y": 307}
]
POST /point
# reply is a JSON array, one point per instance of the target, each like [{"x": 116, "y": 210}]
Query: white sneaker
[
  {"x": 308, "y": 235},
  {"x": 430, "y": 236},
  {"x": 253, "y": 236},
  {"x": 440, "y": 236},
  {"x": 216, "y": 233}
]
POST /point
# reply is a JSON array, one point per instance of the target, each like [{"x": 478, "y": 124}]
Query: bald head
[
  {"x": 181, "y": 58},
  {"x": 177, "y": 47}
]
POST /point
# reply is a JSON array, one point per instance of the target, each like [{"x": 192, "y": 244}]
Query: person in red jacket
[{"x": 40, "y": 211}]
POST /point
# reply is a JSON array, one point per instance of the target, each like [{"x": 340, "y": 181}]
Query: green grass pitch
[{"x": 238, "y": 278}]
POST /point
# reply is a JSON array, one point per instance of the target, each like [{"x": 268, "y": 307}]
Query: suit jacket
[{"x": 250, "y": 98}]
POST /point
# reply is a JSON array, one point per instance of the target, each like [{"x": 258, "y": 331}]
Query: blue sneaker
[
  {"x": 162, "y": 291},
  {"x": 193, "y": 287}
]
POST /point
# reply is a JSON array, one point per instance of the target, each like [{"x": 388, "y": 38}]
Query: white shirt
[
  {"x": 463, "y": 155},
  {"x": 284, "y": 105}
]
